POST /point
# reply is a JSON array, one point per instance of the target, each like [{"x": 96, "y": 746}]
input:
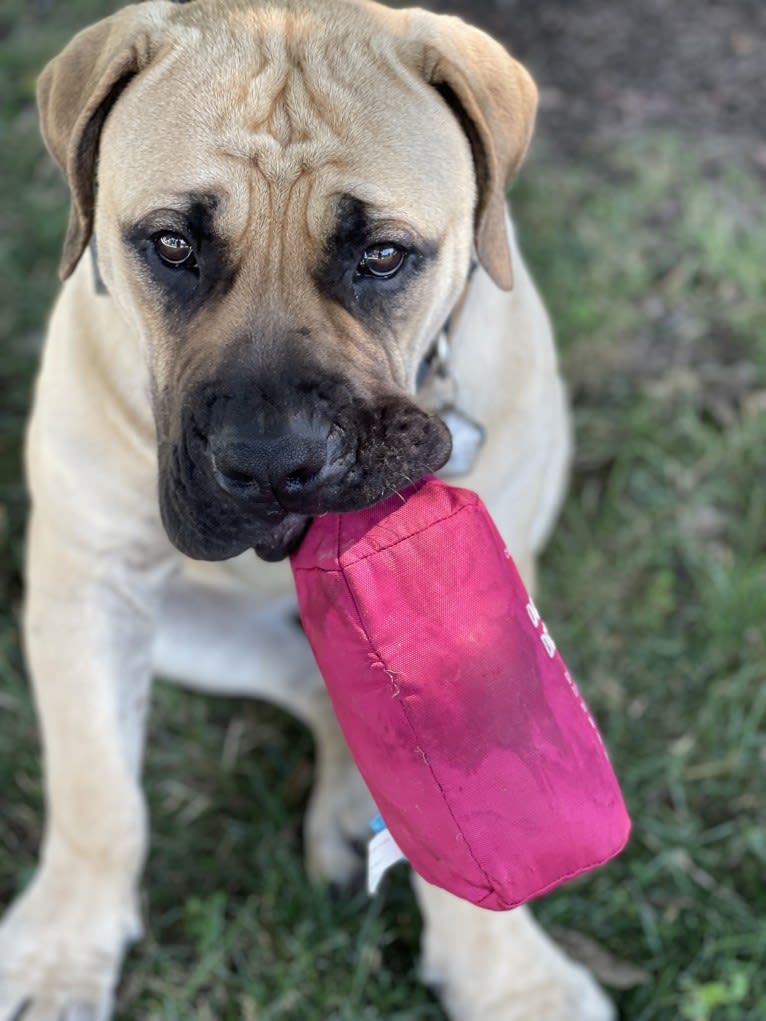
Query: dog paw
[
  {"x": 336, "y": 829},
  {"x": 501, "y": 966},
  {"x": 571, "y": 995},
  {"x": 60, "y": 953}
]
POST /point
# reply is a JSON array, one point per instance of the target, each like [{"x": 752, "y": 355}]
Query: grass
[
  {"x": 651, "y": 258},
  {"x": 655, "y": 577}
]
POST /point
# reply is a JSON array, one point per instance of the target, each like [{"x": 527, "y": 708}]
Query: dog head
[{"x": 285, "y": 198}]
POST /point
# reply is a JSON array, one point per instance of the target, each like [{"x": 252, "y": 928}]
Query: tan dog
[{"x": 289, "y": 198}]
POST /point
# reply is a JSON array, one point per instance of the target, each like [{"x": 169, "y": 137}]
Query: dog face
[{"x": 288, "y": 197}]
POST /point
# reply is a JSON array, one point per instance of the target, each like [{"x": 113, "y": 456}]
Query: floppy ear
[
  {"x": 76, "y": 91},
  {"x": 495, "y": 100}
]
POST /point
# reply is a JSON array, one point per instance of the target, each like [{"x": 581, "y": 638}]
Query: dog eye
[
  {"x": 174, "y": 250},
  {"x": 382, "y": 261}
]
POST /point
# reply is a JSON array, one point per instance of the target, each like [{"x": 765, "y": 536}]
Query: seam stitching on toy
[
  {"x": 492, "y": 882},
  {"x": 410, "y": 535},
  {"x": 374, "y": 552},
  {"x": 573, "y": 874}
]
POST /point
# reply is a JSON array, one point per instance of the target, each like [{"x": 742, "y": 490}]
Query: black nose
[{"x": 287, "y": 466}]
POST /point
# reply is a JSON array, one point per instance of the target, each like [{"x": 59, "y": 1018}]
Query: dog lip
[{"x": 284, "y": 539}]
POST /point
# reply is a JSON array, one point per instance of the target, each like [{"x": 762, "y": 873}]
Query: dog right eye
[{"x": 174, "y": 250}]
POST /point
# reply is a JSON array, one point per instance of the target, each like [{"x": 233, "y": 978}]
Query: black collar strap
[
  {"x": 435, "y": 363},
  {"x": 98, "y": 281}
]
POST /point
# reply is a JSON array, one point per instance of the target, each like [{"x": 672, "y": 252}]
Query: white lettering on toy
[
  {"x": 550, "y": 647},
  {"x": 538, "y": 623}
]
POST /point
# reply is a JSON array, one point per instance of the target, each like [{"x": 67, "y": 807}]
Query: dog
[{"x": 288, "y": 265}]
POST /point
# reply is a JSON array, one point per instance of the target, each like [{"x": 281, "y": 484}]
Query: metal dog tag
[{"x": 467, "y": 440}]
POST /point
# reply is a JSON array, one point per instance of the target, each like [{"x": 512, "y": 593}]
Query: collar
[
  {"x": 435, "y": 367},
  {"x": 98, "y": 281},
  {"x": 437, "y": 390}
]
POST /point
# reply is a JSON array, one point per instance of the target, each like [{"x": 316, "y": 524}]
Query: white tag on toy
[
  {"x": 467, "y": 441},
  {"x": 382, "y": 852}
]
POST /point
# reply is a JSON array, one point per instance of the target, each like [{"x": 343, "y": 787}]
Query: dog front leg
[
  {"x": 230, "y": 642},
  {"x": 88, "y": 636}
]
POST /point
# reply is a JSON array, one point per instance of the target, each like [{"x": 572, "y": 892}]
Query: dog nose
[{"x": 288, "y": 466}]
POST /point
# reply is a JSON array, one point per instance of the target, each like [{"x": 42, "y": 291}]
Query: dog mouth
[
  {"x": 273, "y": 536},
  {"x": 213, "y": 529},
  {"x": 225, "y": 488}
]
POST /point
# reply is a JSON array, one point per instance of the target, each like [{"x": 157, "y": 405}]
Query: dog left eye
[
  {"x": 382, "y": 261},
  {"x": 174, "y": 250}
]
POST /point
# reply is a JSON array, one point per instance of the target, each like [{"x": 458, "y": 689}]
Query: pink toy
[{"x": 461, "y": 715}]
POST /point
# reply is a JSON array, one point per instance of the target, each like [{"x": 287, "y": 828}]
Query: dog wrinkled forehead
[{"x": 288, "y": 94}]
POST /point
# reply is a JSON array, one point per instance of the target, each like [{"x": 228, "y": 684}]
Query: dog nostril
[
  {"x": 299, "y": 477},
  {"x": 241, "y": 478},
  {"x": 235, "y": 471},
  {"x": 293, "y": 484}
]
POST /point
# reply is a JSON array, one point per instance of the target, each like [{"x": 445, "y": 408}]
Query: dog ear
[
  {"x": 76, "y": 91},
  {"x": 495, "y": 100}
]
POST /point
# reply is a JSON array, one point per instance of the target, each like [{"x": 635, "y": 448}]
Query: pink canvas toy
[{"x": 473, "y": 740}]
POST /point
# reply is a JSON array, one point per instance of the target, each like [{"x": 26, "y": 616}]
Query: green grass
[
  {"x": 656, "y": 577},
  {"x": 651, "y": 256}
]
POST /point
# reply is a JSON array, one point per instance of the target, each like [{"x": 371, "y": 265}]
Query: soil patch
[{"x": 611, "y": 68}]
